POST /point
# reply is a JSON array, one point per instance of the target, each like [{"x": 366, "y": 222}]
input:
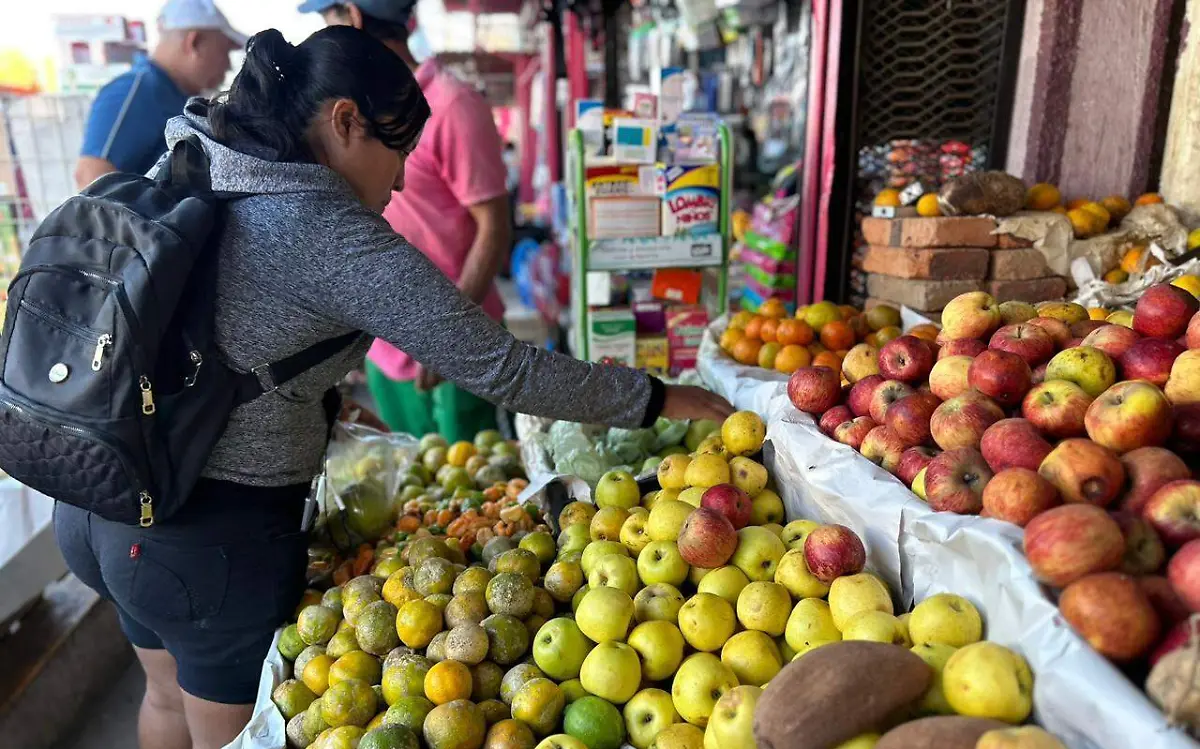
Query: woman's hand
[
  {"x": 354, "y": 413},
  {"x": 427, "y": 379},
  {"x": 686, "y": 402}
]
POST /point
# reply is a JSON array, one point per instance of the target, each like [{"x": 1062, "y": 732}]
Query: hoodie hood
[{"x": 249, "y": 167}]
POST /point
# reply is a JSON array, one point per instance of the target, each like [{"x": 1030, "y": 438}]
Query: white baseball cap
[{"x": 195, "y": 15}]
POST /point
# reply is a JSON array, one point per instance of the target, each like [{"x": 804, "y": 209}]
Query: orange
[
  {"x": 848, "y": 311},
  {"x": 730, "y": 337},
  {"x": 1059, "y": 210},
  {"x": 769, "y": 330},
  {"x": 767, "y": 354},
  {"x": 1116, "y": 275},
  {"x": 837, "y": 335},
  {"x": 1149, "y": 198},
  {"x": 1117, "y": 207},
  {"x": 928, "y": 206},
  {"x": 887, "y": 333},
  {"x": 792, "y": 357},
  {"x": 741, "y": 319},
  {"x": 793, "y": 331},
  {"x": 1097, "y": 313},
  {"x": 745, "y": 351},
  {"x": 1078, "y": 203},
  {"x": 1100, "y": 212},
  {"x": 1042, "y": 197},
  {"x": 448, "y": 681},
  {"x": 754, "y": 327},
  {"x": 1131, "y": 262},
  {"x": 871, "y": 340},
  {"x": 925, "y": 331},
  {"x": 459, "y": 453},
  {"x": 888, "y": 197},
  {"x": 816, "y": 347},
  {"x": 860, "y": 326},
  {"x": 828, "y": 359},
  {"x": 316, "y": 674},
  {"x": 773, "y": 308},
  {"x": 1083, "y": 222}
]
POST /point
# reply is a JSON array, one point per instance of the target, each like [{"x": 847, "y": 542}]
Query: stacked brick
[{"x": 923, "y": 263}]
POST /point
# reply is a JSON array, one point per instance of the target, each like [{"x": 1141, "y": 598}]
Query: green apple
[
  {"x": 918, "y": 484},
  {"x": 987, "y": 680},
  {"x": 700, "y": 681},
  {"x": 810, "y": 622},
  {"x": 692, "y": 495},
  {"x": 902, "y": 624},
  {"x": 753, "y": 656},
  {"x": 792, "y": 573},
  {"x": 757, "y": 554},
  {"x": 796, "y": 531},
  {"x": 617, "y": 489},
  {"x": 606, "y": 523},
  {"x": 561, "y": 741},
  {"x": 726, "y": 582},
  {"x": 947, "y": 619},
  {"x": 615, "y": 571},
  {"x": 660, "y": 644},
  {"x": 573, "y": 690},
  {"x": 853, "y": 594},
  {"x": 667, "y": 517},
  {"x": 861, "y": 741},
  {"x": 707, "y": 470},
  {"x": 660, "y": 562},
  {"x": 698, "y": 431},
  {"x": 596, "y": 549},
  {"x": 874, "y": 626},
  {"x": 748, "y": 475},
  {"x": 659, "y": 602},
  {"x": 696, "y": 574},
  {"x": 764, "y": 607},
  {"x": 577, "y": 599},
  {"x": 633, "y": 533},
  {"x": 732, "y": 721},
  {"x": 671, "y": 472},
  {"x": 1086, "y": 366},
  {"x": 647, "y": 714},
  {"x": 611, "y": 671},
  {"x": 604, "y": 614},
  {"x": 935, "y": 655},
  {"x": 680, "y": 736},
  {"x": 766, "y": 508},
  {"x": 574, "y": 538},
  {"x": 706, "y": 621},
  {"x": 559, "y": 649}
]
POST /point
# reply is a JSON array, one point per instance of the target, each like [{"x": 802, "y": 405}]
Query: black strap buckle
[{"x": 266, "y": 378}]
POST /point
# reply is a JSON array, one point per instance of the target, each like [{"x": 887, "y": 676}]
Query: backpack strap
[{"x": 267, "y": 378}]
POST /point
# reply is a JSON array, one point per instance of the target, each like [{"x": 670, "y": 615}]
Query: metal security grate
[{"x": 931, "y": 69}]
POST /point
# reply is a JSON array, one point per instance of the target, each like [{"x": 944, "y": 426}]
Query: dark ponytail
[{"x": 281, "y": 87}]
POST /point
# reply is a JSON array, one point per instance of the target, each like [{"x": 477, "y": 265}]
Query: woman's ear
[
  {"x": 355, "y": 16},
  {"x": 344, "y": 118}
]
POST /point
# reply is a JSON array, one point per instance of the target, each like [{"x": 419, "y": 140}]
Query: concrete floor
[{"x": 113, "y": 722}]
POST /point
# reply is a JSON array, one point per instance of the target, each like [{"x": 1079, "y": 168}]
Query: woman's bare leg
[
  {"x": 161, "y": 721},
  {"x": 212, "y": 724}
]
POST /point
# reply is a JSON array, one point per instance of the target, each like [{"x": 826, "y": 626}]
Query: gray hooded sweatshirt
[{"x": 302, "y": 260}]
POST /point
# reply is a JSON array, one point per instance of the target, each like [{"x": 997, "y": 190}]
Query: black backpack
[{"x": 112, "y": 391}]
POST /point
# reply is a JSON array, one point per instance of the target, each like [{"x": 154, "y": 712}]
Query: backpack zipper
[
  {"x": 148, "y": 407},
  {"x": 102, "y": 343},
  {"x": 146, "y": 502}
]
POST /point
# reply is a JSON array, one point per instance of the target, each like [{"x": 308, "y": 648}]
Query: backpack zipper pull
[
  {"x": 147, "y": 396},
  {"x": 196, "y": 360},
  {"x": 147, "y": 503},
  {"x": 102, "y": 343}
]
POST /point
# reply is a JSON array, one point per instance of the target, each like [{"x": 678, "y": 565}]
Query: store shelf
[{"x": 648, "y": 253}]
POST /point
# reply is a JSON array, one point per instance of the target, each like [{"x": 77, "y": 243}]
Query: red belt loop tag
[{"x": 135, "y": 551}]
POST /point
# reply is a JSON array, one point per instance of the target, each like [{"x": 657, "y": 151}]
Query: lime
[{"x": 595, "y": 722}]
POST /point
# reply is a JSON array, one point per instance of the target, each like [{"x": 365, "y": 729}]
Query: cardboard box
[
  {"x": 612, "y": 336},
  {"x": 621, "y": 180},
  {"x": 691, "y": 200},
  {"x": 653, "y": 355},
  {"x": 686, "y": 326},
  {"x": 627, "y": 217}
]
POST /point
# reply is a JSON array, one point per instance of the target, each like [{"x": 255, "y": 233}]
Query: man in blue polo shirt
[{"x": 125, "y": 127}]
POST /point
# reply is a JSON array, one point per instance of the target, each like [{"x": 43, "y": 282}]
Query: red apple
[
  {"x": 1186, "y": 436},
  {"x": 1144, "y": 550},
  {"x": 1073, "y": 342},
  {"x": 955, "y": 480},
  {"x": 1084, "y": 472},
  {"x": 1058, "y": 330},
  {"x": 961, "y": 421},
  {"x": 1057, "y": 408},
  {"x": 1150, "y": 359},
  {"x": 971, "y": 347},
  {"x": 730, "y": 501},
  {"x": 882, "y": 447},
  {"x": 1184, "y": 573},
  {"x": 1001, "y": 376},
  {"x": 909, "y": 417},
  {"x": 906, "y": 358},
  {"x": 948, "y": 379},
  {"x": 861, "y": 394},
  {"x": 1112, "y": 613},
  {"x": 1013, "y": 442},
  {"x": 707, "y": 538},
  {"x": 1192, "y": 337},
  {"x": 1129, "y": 415},
  {"x": 853, "y": 432},
  {"x": 1039, "y": 374},
  {"x": 1147, "y": 469},
  {"x": 1065, "y": 543},
  {"x": 1177, "y": 636},
  {"x": 815, "y": 390},
  {"x": 832, "y": 551},
  {"x": 1018, "y": 495},
  {"x": 1174, "y": 511},
  {"x": 1164, "y": 311},
  {"x": 1084, "y": 328},
  {"x": 912, "y": 461},
  {"x": 1113, "y": 340},
  {"x": 885, "y": 395},
  {"x": 1030, "y": 342},
  {"x": 1170, "y": 607},
  {"x": 835, "y": 417}
]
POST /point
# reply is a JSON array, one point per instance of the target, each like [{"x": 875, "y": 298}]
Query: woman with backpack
[{"x": 313, "y": 139}]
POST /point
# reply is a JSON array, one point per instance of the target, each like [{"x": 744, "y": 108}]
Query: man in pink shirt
[{"x": 454, "y": 208}]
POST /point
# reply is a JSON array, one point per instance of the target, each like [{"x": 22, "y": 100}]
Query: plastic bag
[{"x": 364, "y": 468}]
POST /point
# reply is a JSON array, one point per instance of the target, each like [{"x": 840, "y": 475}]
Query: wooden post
[{"x": 1180, "y": 180}]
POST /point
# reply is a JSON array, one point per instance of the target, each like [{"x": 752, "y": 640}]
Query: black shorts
[{"x": 210, "y": 585}]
